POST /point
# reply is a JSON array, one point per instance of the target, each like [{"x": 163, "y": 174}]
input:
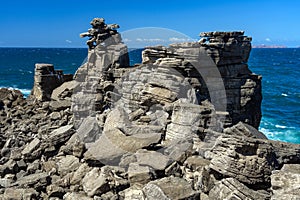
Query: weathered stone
[
  {"x": 37, "y": 181},
  {"x": 75, "y": 146},
  {"x": 139, "y": 174},
  {"x": 89, "y": 131},
  {"x": 133, "y": 193},
  {"x": 179, "y": 150},
  {"x": 30, "y": 147},
  {"x": 63, "y": 91},
  {"x": 60, "y": 135},
  {"x": 153, "y": 159},
  {"x": 74, "y": 195},
  {"x": 112, "y": 144},
  {"x": 243, "y": 129},
  {"x": 60, "y": 105},
  {"x": 95, "y": 183},
  {"x": 165, "y": 189},
  {"x": 19, "y": 194},
  {"x": 46, "y": 79},
  {"x": 78, "y": 175},
  {"x": 286, "y": 182},
  {"x": 230, "y": 188},
  {"x": 67, "y": 164},
  {"x": 250, "y": 160}
]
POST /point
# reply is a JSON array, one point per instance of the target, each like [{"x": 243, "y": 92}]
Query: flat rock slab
[
  {"x": 231, "y": 188},
  {"x": 169, "y": 188}
]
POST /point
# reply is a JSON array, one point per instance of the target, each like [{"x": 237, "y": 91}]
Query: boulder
[
  {"x": 231, "y": 188},
  {"x": 139, "y": 174},
  {"x": 243, "y": 129},
  {"x": 67, "y": 164},
  {"x": 95, "y": 183},
  {"x": 113, "y": 144},
  {"x": 169, "y": 188}
]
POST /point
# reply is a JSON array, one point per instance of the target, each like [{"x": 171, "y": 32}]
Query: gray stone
[
  {"x": 89, "y": 131},
  {"x": 113, "y": 144},
  {"x": 37, "y": 181},
  {"x": 30, "y": 147},
  {"x": 133, "y": 193},
  {"x": 230, "y": 188},
  {"x": 74, "y": 146},
  {"x": 153, "y": 159},
  {"x": 286, "y": 182},
  {"x": 60, "y": 135},
  {"x": 169, "y": 188},
  {"x": 95, "y": 183},
  {"x": 60, "y": 105},
  {"x": 250, "y": 160},
  {"x": 67, "y": 164},
  {"x": 75, "y": 195},
  {"x": 139, "y": 174},
  {"x": 19, "y": 194},
  {"x": 63, "y": 91},
  {"x": 179, "y": 150},
  {"x": 78, "y": 175},
  {"x": 243, "y": 129}
]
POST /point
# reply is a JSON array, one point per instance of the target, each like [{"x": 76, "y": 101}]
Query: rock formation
[
  {"x": 181, "y": 125},
  {"x": 46, "y": 79}
]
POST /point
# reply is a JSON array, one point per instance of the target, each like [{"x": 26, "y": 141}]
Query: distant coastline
[{"x": 263, "y": 46}]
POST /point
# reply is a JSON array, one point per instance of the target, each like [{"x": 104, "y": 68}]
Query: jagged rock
[
  {"x": 54, "y": 191},
  {"x": 78, "y": 175},
  {"x": 186, "y": 118},
  {"x": 153, "y": 159},
  {"x": 75, "y": 195},
  {"x": 60, "y": 105},
  {"x": 286, "y": 182},
  {"x": 31, "y": 147},
  {"x": 19, "y": 194},
  {"x": 230, "y": 188},
  {"x": 179, "y": 150},
  {"x": 133, "y": 193},
  {"x": 60, "y": 135},
  {"x": 249, "y": 160},
  {"x": 243, "y": 129},
  {"x": 164, "y": 189},
  {"x": 10, "y": 166},
  {"x": 89, "y": 131},
  {"x": 74, "y": 146},
  {"x": 46, "y": 79},
  {"x": 67, "y": 164},
  {"x": 140, "y": 174},
  {"x": 113, "y": 144},
  {"x": 63, "y": 91},
  {"x": 95, "y": 183},
  {"x": 37, "y": 181}
]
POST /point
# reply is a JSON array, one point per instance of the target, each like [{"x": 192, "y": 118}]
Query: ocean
[{"x": 280, "y": 69}]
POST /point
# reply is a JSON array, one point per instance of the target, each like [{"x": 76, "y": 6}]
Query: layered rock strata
[{"x": 153, "y": 131}]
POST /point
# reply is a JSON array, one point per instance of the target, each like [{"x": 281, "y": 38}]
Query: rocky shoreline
[{"x": 180, "y": 125}]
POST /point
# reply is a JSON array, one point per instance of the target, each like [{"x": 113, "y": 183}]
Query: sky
[{"x": 58, "y": 23}]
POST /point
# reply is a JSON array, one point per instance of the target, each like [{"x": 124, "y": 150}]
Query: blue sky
[{"x": 57, "y": 23}]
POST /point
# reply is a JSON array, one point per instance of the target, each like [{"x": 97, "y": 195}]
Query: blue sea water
[{"x": 280, "y": 69}]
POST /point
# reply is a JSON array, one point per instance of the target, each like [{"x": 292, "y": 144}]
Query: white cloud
[
  {"x": 69, "y": 41},
  {"x": 268, "y": 39}
]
